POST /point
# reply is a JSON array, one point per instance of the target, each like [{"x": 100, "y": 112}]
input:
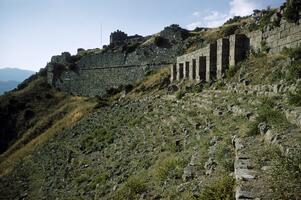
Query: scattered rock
[{"x": 263, "y": 128}]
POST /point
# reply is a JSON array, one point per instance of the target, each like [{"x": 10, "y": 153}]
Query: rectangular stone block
[
  {"x": 186, "y": 70},
  {"x": 222, "y": 62}
]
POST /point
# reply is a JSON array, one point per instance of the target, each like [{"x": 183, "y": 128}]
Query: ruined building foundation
[{"x": 211, "y": 62}]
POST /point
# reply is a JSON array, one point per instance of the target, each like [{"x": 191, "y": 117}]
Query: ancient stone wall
[
  {"x": 214, "y": 59},
  {"x": 286, "y": 35},
  {"x": 96, "y": 81}
]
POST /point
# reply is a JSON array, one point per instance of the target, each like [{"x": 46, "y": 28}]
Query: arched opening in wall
[
  {"x": 181, "y": 71},
  {"x": 186, "y": 72},
  {"x": 202, "y": 66},
  {"x": 193, "y": 73}
]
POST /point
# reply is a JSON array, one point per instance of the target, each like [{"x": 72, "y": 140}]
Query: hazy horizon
[{"x": 32, "y": 30}]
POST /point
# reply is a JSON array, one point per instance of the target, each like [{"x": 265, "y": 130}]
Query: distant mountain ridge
[
  {"x": 7, "y": 86},
  {"x": 11, "y": 77}
]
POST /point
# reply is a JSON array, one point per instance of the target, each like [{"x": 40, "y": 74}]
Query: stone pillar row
[{"x": 212, "y": 61}]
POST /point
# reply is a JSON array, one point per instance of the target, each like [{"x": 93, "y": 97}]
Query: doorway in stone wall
[
  {"x": 181, "y": 71},
  {"x": 193, "y": 72},
  {"x": 202, "y": 66},
  {"x": 186, "y": 73}
]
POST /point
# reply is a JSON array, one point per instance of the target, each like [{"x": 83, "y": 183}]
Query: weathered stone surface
[{"x": 229, "y": 51}]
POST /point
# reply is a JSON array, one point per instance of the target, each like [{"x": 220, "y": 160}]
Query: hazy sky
[{"x": 31, "y": 31}]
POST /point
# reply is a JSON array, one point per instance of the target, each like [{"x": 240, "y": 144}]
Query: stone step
[{"x": 243, "y": 170}]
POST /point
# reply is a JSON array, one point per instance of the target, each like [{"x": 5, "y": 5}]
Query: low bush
[
  {"x": 268, "y": 113},
  {"x": 168, "y": 166},
  {"x": 232, "y": 71},
  {"x": 223, "y": 188},
  {"x": 292, "y": 11},
  {"x": 96, "y": 140},
  {"x": 229, "y": 29},
  {"x": 132, "y": 189},
  {"x": 285, "y": 175},
  {"x": 234, "y": 19},
  {"x": 180, "y": 94},
  {"x": 293, "y": 53},
  {"x": 294, "y": 99},
  {"x": 293, "y": 72}
]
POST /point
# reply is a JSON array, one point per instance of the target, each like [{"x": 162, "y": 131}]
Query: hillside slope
[
  {"x": 235, "y": 138},
  {"x": 201, "y": 142},
  {"x": 32, "y": 114}
]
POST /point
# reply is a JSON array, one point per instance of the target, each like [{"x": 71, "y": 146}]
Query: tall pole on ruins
[{"x": 101, "y": 35}]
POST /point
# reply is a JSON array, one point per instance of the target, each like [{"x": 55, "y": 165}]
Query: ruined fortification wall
[
  {"x": 217, "y": 57},
  {"x": 96, "y": 81},
  {"x": 286, "y": 35},
  {"x": 93, "y": 75}
]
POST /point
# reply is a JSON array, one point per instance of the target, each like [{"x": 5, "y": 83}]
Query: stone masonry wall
[
  {"x": 96, "y": 81},
  {"x": 286, "y": 35},
  {"x": 214, "y": 59},
  {"x": 92, "y": 73}
]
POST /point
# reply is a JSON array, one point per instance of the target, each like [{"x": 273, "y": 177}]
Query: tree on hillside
[{"x": 292, "y": 12}]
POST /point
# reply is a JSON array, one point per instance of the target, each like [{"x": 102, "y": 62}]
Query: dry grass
[
  {"x": 150, "y": 41},
  {"x": 62, "y": 117},
  {"x": 72, "y": 111},
  {"x": 151, "y": 84}
]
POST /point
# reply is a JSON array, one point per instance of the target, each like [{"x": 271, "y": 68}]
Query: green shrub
[
  {"x": 168, "y": 166},
  {"x": 264, "y": 47},
  {"x": 223, "y": 188},
  {"x": 229, "y": 29},
  {"x": 197, "y": 88},
  {"x": 292, "y": 10},
  {"x": 219, "y": 84},
  {"x": 180, "y": 94},
  {"x": 132, "y": 189},
  {"x": 96, "y": 140},
  {"x": 257, "y": 53},
  {"x": 266, "y": 18},
  {"x": 130, "y": 47},
  {"x": 101, "y": 103},
  {"x": 232, "y": 71},
  {"x": 269, "y": 114},
  {"x": 234, "y": 19},
  {"x": 294, "y": 99},
  {"x": 253, "y": 129},
  {"x": 224, "y": 156},
  {"x": 293, "y": 72},
  {"x": 82, "y": 178},
  {"x": 293, "y": 53},
  {"x": 285, "y": 175},
  {"x": 253, "y": 27}
]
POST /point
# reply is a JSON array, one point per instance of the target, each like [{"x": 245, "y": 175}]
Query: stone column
[
  {"x": 178, "y": 71},
  {"x": 222, "y": 55},
  {"x": 197, "y": 69},
  {"x": 191, "y": 70},
  {"x": 186, "y": 70},
  {"x": 211, "y": 62},
  {"x": 173, "y": 72}
]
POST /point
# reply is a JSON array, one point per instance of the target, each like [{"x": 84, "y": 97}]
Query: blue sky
[{"x": 31, "y": 31}]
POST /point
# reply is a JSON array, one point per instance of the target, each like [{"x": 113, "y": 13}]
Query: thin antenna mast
[{"x": 101, "y": 35}]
